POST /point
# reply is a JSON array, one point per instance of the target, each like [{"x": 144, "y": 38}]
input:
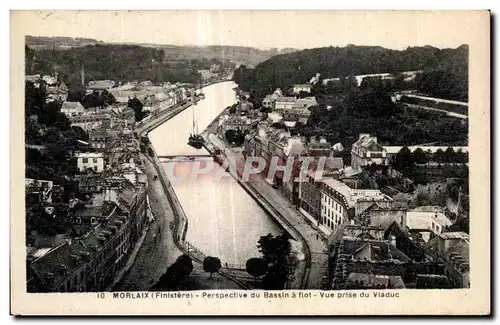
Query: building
[
  {"x": 427, "y": 223},
  {"x": 453, "y": 249},
  {"x": 305, "y": 103},
  {"x": 340, "y": 203},
  {"x": 100, "y": 139},
  {"x": 101, "y": 84},
  {"x": 310, "y": 186},
  {"x": 90, "y": 160},
  {"x": 294, "y": 115},
  {"x": 382, "y": 214},
  {"x": 108, "y": 231},
  {"x": 297, "y": 88},
  {"x": 71, "y": 109},
  {"x": 319, "y": 147},
  {"x": 277, "y": 147},
  {"x": 366, "y": 258},
  {"x": 92, "y": 121},
  {"x": 49, "y": 80},
  {"x": 373, "y": 281},
  {"x": 267, "y": 102},
  {"x": 284, "y": 103},
  {"x": 36, "y": 80},
  {"x": 366, "y": 151}
]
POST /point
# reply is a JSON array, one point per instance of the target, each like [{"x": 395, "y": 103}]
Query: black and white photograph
[{"x": 229, "y": 157}]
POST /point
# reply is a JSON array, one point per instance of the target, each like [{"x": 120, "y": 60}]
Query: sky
[{"x": 260, "y": 29}]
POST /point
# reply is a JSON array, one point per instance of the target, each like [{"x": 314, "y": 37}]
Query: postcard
[{"x": 218, "y": 162}]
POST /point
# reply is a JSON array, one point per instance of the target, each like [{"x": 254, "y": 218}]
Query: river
[{"x": 223, "y": 220}]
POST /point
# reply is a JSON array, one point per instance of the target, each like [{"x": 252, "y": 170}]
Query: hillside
[
  {"x": 238, "y": 54},
  {"x": 284, "y": 70},
  {"x": 117, "y": 62}
]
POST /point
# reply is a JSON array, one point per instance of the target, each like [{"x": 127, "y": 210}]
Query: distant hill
[
  {"x": 59, "y": 42},
  {"x": 298, "y": 67},
  {"x": 247, "y": 56}
]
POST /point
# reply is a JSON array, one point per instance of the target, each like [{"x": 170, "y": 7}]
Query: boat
[{"x": 195, "y": 140}]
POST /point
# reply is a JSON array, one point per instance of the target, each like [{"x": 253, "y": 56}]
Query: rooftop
[
  {"x": 286, "y": 99},
  {"x": 90, "y": 155},
  {"x": 422, "y": 219},
  {"x": 455, "y": 235}
]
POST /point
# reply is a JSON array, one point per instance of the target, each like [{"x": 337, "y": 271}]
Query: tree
[
  {"x": 404, "y": 159},
  {"x": 439, "y": 156},
  {"x": 449, "y": 155},
  {"x": 256, "y": 267},
  {"x": 211, "y": 264},
  {"x": 274, "y": 249},
  {"x": 137, "y": 106},
  {"x": 275, "y": 278},
  {"x": 420, "y": 156},
  {"x": 175, "y": 274}
]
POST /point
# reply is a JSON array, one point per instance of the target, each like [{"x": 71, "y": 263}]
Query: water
[{"x": 224, "y": 221}]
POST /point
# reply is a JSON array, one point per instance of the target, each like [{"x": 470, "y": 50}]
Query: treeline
[
  {"x": 116, "y": 62},
  {"x": 448, "y": 79}
]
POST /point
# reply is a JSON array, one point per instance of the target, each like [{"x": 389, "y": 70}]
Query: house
[
  {"x": 100, "y": 139},
  {"x": 92, "y": 121},
  {"x": 90, "y": 160},
  {"x": 100, "y": 85},
  {"x": 267, "y": 102},
  {"x": 294, "y": 115},
  {"x": 453, "y": 249},
  {"x": 305, "y": 103},
  {"x": 318, "y": 148},
  {"x": 284, "y": 103},
  {"x": 382, "y": 214},
  {"x": 427, "y": 223},
  {"x": 339, "y": 203},
  {"x": 49, "y": 80},
  {"x": 366, "y": 151},
  {"x": 373, "y": 281},
  {"x": 297, "y": 88},
  {"x": 71, "y": 109}
]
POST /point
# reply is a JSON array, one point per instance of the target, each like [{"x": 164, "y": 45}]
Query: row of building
[
  {"x": 334, "y": 200},
  {"x": 94, "y": 232}
]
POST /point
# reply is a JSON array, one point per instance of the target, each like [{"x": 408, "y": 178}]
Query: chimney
[
  {"x": 85, "y": 255},
  {"x": 75, "y": 259}
]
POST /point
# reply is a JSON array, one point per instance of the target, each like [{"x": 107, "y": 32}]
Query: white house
[
  {"x": 297, "y": 88},
  {"x": 427, "y": 222},
  {"x": 284, "y": 103},
  {"x": 367, "y": 151},
  {"x": 72, "y": 109},
  {"x": 90, "y": 160}
]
